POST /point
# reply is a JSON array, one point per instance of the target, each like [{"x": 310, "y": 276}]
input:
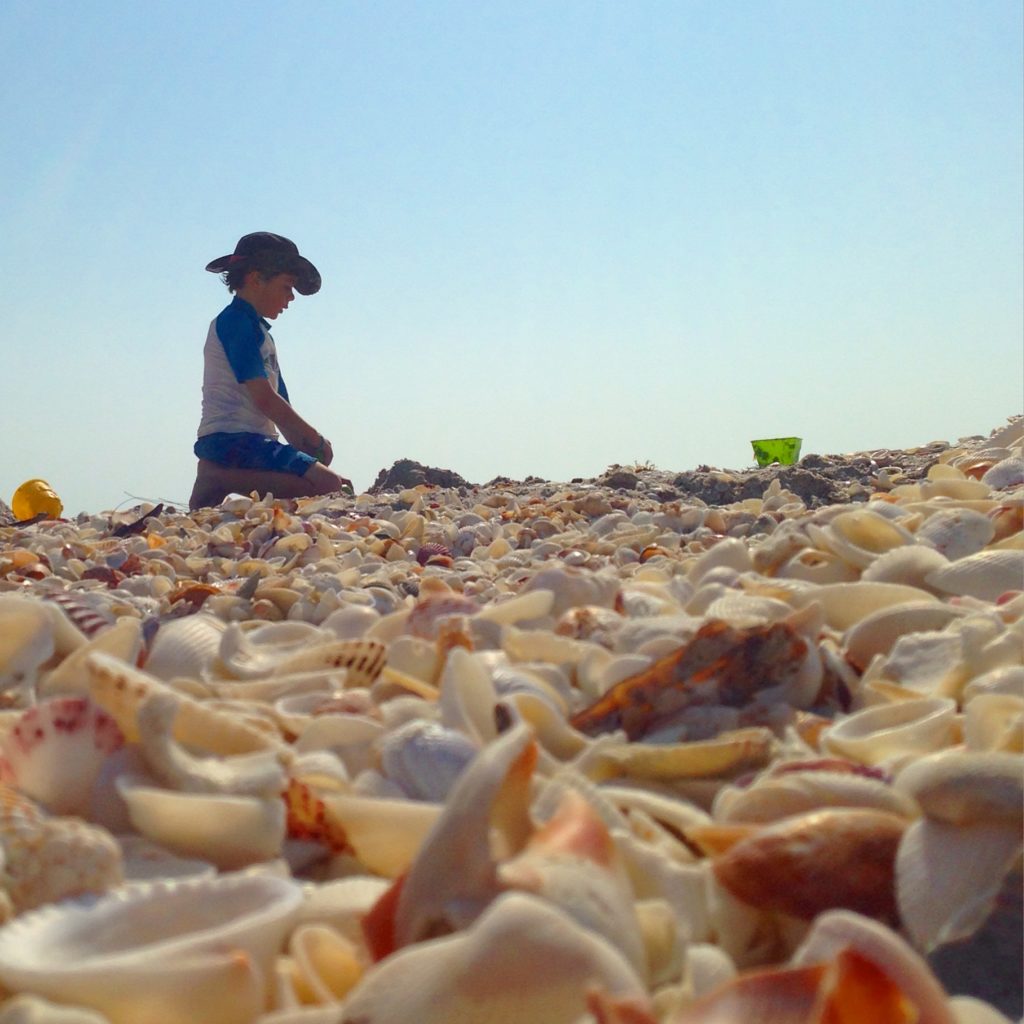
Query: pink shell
[
  {"x": 86, "y": 618},
  {"x": 428, "y": 552},
  {"x": 55, "y": 752}
]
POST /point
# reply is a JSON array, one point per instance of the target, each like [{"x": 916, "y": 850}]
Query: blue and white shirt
[{"x": 238, "y": 348}]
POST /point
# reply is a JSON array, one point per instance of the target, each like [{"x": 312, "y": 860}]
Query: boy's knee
[{"x": 325, "y": 480}]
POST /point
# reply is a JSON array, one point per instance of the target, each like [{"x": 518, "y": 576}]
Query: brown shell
[{"x": 819, "y": 861}]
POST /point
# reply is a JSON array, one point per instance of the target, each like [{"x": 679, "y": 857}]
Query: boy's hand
[{"x": 323, "y": 453}]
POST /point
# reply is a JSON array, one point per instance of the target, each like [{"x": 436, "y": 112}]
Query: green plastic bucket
[{"x": 784, "y": 450}]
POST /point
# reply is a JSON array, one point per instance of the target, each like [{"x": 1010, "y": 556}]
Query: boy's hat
[{"x": 285, "y": 252}]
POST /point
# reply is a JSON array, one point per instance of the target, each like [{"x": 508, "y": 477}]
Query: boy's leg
[{"x": 214, "y": 482}]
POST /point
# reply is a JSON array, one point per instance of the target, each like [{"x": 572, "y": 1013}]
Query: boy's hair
[{"x": 266, "y": 264}]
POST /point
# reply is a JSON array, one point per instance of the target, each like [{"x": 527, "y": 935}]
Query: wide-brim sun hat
[{"x": 285, "y": 253}]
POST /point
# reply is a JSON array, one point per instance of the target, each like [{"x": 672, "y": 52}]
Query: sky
[{"x": 553, "y": 236}]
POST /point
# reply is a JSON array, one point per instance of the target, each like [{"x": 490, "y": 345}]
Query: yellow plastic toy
[
  {"x": 783, "y": 450},
  {"x": 35, "y": 497}
]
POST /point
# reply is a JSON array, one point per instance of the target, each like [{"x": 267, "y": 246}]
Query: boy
[{"x": 245, "y": 401}]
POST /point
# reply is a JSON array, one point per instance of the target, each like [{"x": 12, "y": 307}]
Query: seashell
[
  {"x": 962, "y": 788},
  {"x": 185, "y": 647},
  {"x": 348, "y": 736},
  {"x": 574, "y": 588},
  {"x": 985, "y": 575},
  {"x": 26, "y": 642},
  {"x": 720, "y": 665},
  {"x": 228, "y": 831},
  {"x": 958, "y": 488},
  {"x": 814, "y": 862},
  {"x": 1008, "y": 679},
  {"x": 744, "y": 610},
  {"x": 453, "y": 875},
  {"x": 33, "y": 1010},
  {"x": 343, "y": 903},
  {"x": 956, "y": 533},
  {"x": 906, "y": 566},
  {"x": 878, "y": 632},
  {"x": 46, "y": 859},
  {"x": 174, "y": 953},
  {"x": 1008, "y": 472},
  {"x": 123, "y": 641},
  {"x": 889, "y": 732},
  {"x": 572, "y": 862},
  {"x": 470, "y": 977},
  {"x": 949, "y": 874},
  {"x": 775, "y": 797},
  {"x": 257, "y": 774},
  {"x": 145, "y": 861},
  {"x": 468, "y": 697},
  {"x": 819, "y": 567},
  {"x": 351, "y": 621},
  {"x": 526, "y": 606},
  {"x": 385, "y": 835},
  {"x": 730, "y": 552},
  {"x": 55, "y": 751},
  {"x": 425, "y": 759},
  {"x": 839, "y": 930},
  {"x": 432, "y": 608},
  {"x": 805, "y": 995},
  {"x": 726, "y": 754},
  {"x": 846, "y": 604},
  {"x": 87, "y": 618},
  {"x": 258, "y": 652},
  {"x": 274, "y": 688},
  {"x": 941, "y": 663},
  {"x": 121, "y": 690},
  {"x": 994, "y": 721},
  {"x": 323, "y": 966},
  {"x": 859, "y": 536}
]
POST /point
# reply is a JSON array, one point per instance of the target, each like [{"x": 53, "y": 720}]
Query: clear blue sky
[{"x": 553, "y": 236}]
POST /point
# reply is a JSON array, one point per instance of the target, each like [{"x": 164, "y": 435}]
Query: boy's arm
[{"x": 296, "y": 430}]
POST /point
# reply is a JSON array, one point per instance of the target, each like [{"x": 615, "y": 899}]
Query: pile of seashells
[{"x": 537, "y": 753}]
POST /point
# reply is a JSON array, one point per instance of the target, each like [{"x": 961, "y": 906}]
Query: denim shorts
[{"x": 253, "y": 451}]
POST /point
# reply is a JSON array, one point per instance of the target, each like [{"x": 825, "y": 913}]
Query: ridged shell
[
  {"x": 55, "y": 751},
  {"x": 956, "y": 533},
  {"x": 177, "y": 952},
  {"x": 185, "y": 647},
  {"x": 986, "y": 575}
]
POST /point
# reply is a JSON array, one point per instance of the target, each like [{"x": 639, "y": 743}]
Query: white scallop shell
[
  {"x": 1008, "y": 472},
  {"x": 908, "y": 565},
  {"x": 948, "y": 876},
  {"x": 173, "y": 952},
  {"x": 185, "y": 647},
  {"x": 986, "y": 575},
  {"x": 956, "y": 533}
]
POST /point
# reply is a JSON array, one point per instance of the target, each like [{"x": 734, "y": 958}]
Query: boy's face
[{"x": 270, "y": 296}]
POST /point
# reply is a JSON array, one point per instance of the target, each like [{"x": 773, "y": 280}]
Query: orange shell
[{"x": 819, "y": 861}]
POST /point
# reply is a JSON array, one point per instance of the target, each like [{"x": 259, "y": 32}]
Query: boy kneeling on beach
[{"x": 245, "y": 401}]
